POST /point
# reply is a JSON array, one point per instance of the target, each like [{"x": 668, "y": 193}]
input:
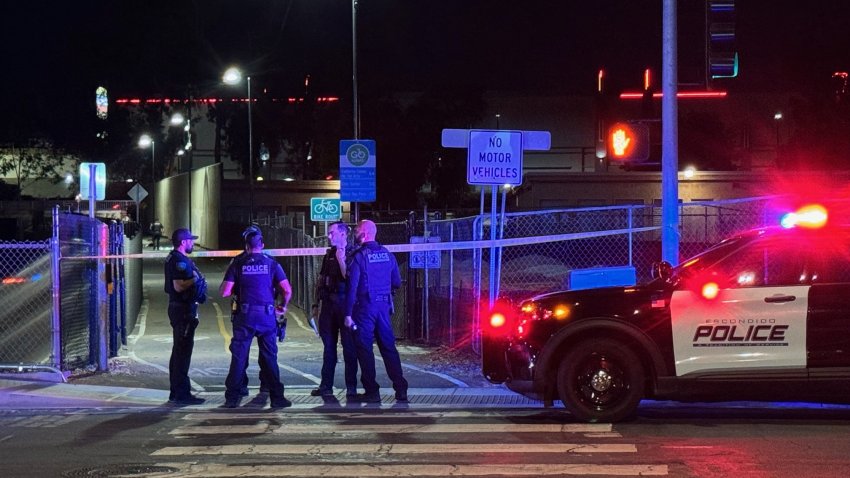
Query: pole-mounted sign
[{"x": 357, "y": 161}]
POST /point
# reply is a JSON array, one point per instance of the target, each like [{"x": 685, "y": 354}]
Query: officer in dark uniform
[
  {"x": 254, "y": 278},
  {"x": 330, "y": 290},
  {"x": 234, "y": 309},
  {"x": 182, "y": 283},
  {"x": 156, "y": 232},
  {"x": 372, "y": 277}
]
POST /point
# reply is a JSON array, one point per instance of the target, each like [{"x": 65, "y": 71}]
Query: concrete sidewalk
[{"x": 38, "y": 395}]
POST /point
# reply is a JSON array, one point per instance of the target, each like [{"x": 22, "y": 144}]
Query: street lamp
[
  {"x": 233, "y": 76},
  {"x": 146, "y": 141}
]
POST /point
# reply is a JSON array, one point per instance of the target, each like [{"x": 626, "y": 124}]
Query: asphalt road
[{"x": 397, "y": 441}]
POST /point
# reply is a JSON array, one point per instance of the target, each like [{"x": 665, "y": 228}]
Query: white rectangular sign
[{"x": 494, "y": 157}]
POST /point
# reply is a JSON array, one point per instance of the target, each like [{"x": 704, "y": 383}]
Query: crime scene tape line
[{"x": 425, "y": 247}]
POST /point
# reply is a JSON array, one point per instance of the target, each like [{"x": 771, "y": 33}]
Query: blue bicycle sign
[
  {"x": 325, "y": 209},
  {"x": 357, "y": 161}
]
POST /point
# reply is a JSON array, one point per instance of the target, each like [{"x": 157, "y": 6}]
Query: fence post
[
  {"x": 55, "y": 272},
  {"x": 122, "y": 285},
  {"x": 631, "y": 234},
  {"x": 451, "y": 285}
]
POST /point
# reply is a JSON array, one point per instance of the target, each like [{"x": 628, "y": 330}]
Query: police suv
[{"x": 764, "y": 315}]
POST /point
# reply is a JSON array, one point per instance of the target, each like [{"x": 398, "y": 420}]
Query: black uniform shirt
[
  {"x": 178, "y": 267},
  {"x": 255, "y": 276}
]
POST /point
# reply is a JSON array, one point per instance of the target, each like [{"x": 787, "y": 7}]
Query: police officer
[
  {"x": 330, "y": 290},
  {"x": 254, "y": 278},
  {"x": 372, "y": 277},
  {"x": 264, "y": 389},
  {"x": 156, "y": 232},
  {"x": 182, "y": 283}
]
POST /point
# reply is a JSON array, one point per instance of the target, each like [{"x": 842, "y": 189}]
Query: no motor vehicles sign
[{"x": 494, "y": 157}]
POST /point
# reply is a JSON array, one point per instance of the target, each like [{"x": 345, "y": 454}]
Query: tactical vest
[
  {"x": 331, "y": 280},
  {"x": 378, "y": 271},
  {"x": 254, "y": 277}
]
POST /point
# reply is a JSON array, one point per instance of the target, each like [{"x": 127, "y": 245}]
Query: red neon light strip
[
  {"x": 136, "y": 101},
  {"x": 681, "y": 94}
]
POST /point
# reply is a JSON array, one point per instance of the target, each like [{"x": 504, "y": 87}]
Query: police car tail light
[
  {"x": 497, "y": 320},
  {"x": 811, "y": 216},
  {"x": 710, "y": 290}
]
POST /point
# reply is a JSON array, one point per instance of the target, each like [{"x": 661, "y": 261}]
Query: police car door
[
  {"x": 747, "y": 311},
  {"x": 828, "y": 334}
]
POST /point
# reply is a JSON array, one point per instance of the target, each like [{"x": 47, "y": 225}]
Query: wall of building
[
  {"x": 191, "y": 200},
  {"x": 542, "y": 191}
]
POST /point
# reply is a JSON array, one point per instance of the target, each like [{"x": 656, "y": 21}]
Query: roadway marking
[
  {"x": 335, "y": 428},
  {"x": 389, "y": 449},
  {"x": 378, "y": 470},
  {"x": 227, "y": 338},
  {"x": 227, "y": 415},
  {"x": 143, "y": 317},
  {"x": 222, "y": 329}
]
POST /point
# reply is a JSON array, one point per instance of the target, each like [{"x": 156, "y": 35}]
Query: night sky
[{"x": 56, "y": 53}]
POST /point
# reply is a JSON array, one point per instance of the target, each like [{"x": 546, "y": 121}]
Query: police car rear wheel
[{"x": 601, "y": 380}]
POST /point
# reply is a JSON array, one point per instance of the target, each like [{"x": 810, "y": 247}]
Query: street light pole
[
  {"x": 144, "y": 141},
  {"x": 250, "y": 154},
  {"x": 355, "y": 106},
  {"x": 232, "y": 77}
]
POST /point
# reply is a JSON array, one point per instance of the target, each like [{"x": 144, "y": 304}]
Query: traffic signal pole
[{"x": 669, "y": 137}]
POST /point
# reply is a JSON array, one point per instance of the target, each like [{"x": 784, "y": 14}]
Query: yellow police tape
[{"x": 425, "y": 247}]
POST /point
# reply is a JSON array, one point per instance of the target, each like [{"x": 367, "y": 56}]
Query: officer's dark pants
[
  {"x": 373, "y": 324},
  {"x": 245, "y": 328},
  {"x": 332, "y": 329},
  {"x": 261, "y": 361},
  {"x": 182, "y": 318}
]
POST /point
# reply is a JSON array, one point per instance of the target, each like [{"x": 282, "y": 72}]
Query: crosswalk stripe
[
  {"x": 333, "y": 428},
  {"x": 343, "y": 414},
  {"x": 388, "y": 449},
  {"x": 378, "y": 470}
]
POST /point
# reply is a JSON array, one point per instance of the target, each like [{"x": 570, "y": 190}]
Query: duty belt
[
  {"x": 382, "y": 298},
  {"x": 267, "y": 309}
]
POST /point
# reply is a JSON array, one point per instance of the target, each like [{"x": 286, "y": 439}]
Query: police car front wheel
[{"x": 601, "y": 380}]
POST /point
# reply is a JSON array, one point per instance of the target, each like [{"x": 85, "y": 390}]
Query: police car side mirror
[{"x": 662, "y": 270}]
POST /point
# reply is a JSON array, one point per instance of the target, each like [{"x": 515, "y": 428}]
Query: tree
[{"x": 37, "y": 160}]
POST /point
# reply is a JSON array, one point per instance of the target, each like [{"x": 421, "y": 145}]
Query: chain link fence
[
  {"x": 26, "y": 304},
  {"x": 60, "y": 309},
  {"x": 444, "y": 305}
]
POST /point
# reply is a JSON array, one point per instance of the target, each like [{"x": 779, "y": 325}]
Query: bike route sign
[
  {"x": 357, "y": 162},
  {"x": 325, "y": 209}
]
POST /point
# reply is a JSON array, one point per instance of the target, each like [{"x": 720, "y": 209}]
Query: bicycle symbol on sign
[
  {"x": 357, "y": 154},
  {"x": 325, "y": 206}
]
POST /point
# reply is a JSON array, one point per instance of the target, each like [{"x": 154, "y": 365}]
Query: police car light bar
[{"x": 811, "y": 216}]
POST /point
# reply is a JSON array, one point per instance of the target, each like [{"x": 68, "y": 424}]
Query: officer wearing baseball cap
[{"x": 185, "y": 286}]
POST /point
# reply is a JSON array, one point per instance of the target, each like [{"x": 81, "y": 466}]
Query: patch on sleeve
[{"x": 182, "y": 266}]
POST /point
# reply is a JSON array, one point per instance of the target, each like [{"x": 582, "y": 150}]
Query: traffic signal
[
  {"x": 628, "y": 142},
  {"x": 722, "y": 61}
]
